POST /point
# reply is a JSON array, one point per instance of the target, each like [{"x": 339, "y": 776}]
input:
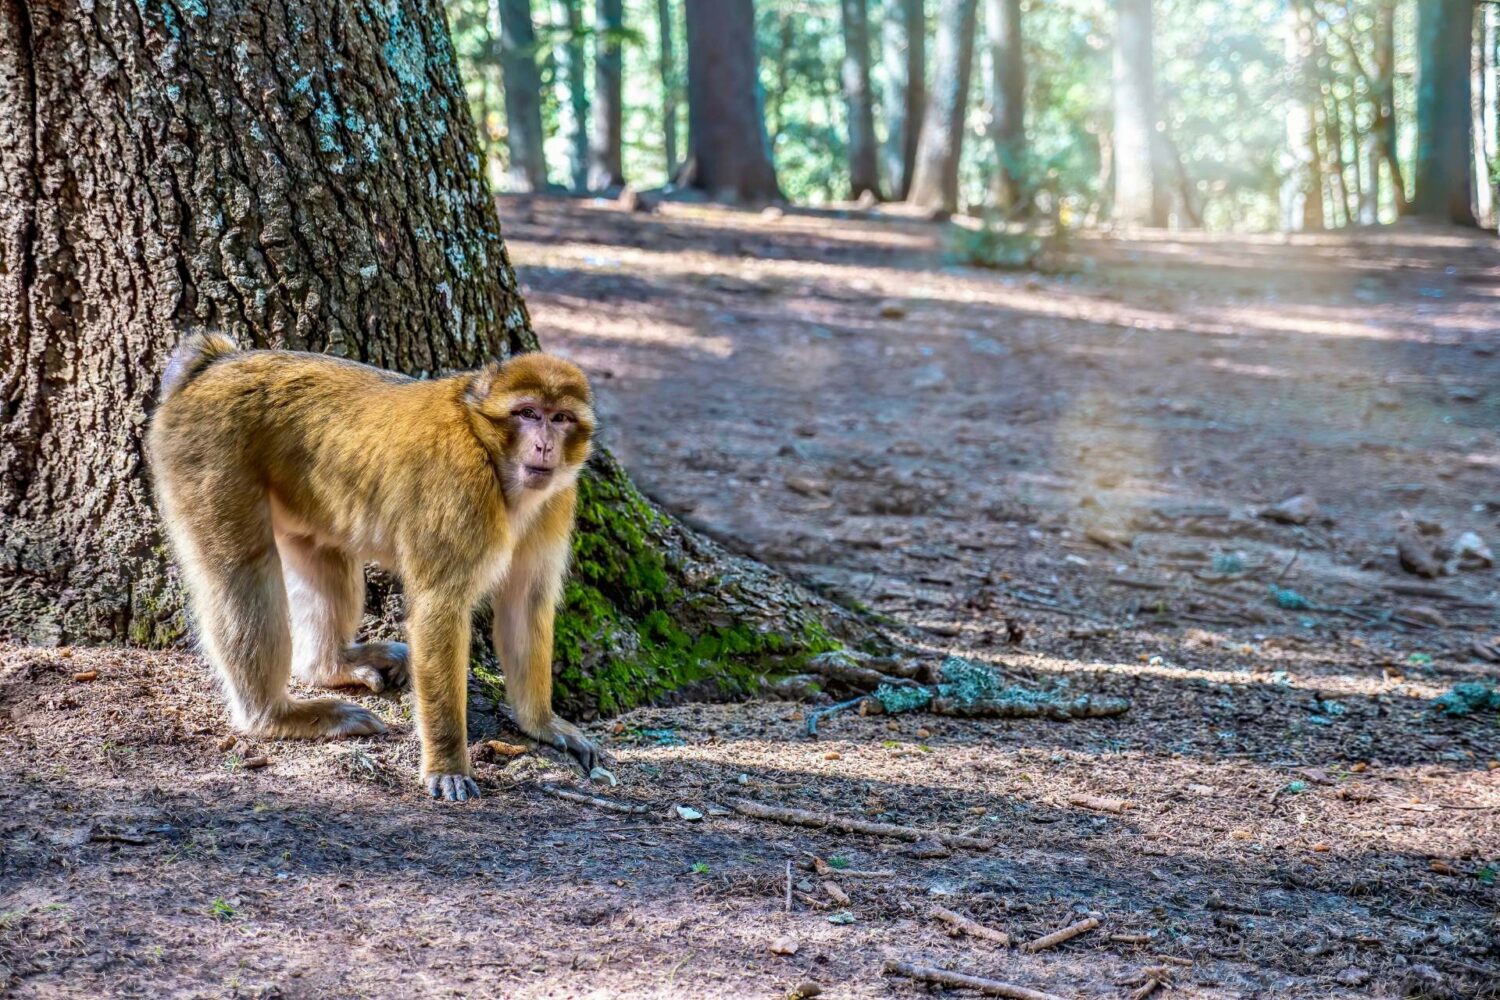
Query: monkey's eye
[
  {"x": 525, "y": 413},
  {"x": 563, "y": 418}
]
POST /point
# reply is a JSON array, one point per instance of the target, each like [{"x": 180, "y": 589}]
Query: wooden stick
[
  {"x": 813, "y": 717},
  {"x": 1145, "y": 989},
  {"x": 836, "y": 894},
  {"x": 1101, "y": 803},
  {"x": 958, "y": 980},
  {"x": 789, "y": 887},
  {"x": 1058, "y": 937},
  {"x": 593, "y": 800},
  {"x": 805, "y": 817},
  {"x": 973, "y": 928}
]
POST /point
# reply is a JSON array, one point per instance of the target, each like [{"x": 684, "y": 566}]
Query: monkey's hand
[
  {"x": 379, "y": 666},
  {"x": 570, "y": 740},
  {"x": 452, "y": 787}
]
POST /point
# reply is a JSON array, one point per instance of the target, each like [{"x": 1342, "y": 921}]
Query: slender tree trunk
[
  {"x": 1007, "y": 101},
  {"x": 1444, "y": 30},
  {"x": 605, "y": 170},
  {"x": 166, "y": 168},
  {"x": 730, "y": 154},
  {"x": 1302, "y": 183},
  {"x": 1384, "y": 98},
  {"x": 1140, "y": 198},
  {"x": 934, "y": 183},
  {"x": 1484, "y": 201},
  {"x": 573, "y": 91},
  {"x": 1336, "y": 166},
  {"x": 510, "y": 21},
  {"x": 785, "y": 34},
  {"x": 903, "y": 35},
  {"x": 864, "y": 159},
  {"x": 668, "y": 66}
]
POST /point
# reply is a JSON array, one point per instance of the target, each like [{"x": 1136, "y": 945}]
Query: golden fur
[{"x": 279, "y": 474}]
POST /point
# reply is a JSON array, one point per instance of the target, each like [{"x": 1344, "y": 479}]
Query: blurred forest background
[{"x": 1242, "y": 115}]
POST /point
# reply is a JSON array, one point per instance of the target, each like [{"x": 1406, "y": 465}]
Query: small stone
[
  {"x": 924, "y": 733},
  {"x": 785, "y": 946},
  {"x": 771, "y": 213},
  {"x": 841, "y": 917},
  {"x": 1298, "y": 509},
  {"x": 227, "y": 743},
  {"x": 893, "y": 310},
  {"x": 1352, "y": 976},
  {"x": 927, "y": 849},
  {"x": 1471, "y": 552},
  {"x": 689, "y": 814},
  {"x": 807, "y": 486},
  {"x": 805, "y": 991}
]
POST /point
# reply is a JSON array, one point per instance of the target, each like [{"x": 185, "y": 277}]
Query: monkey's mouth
[{"x": 537, "y": 475}]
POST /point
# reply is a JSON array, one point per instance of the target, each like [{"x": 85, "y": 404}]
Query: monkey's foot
[
  {"x": 379, "y": 666},
  {"x": 321, "y": 718},
  {"x": 452, "y": 787},
  {"x": 570, "y": 740}
]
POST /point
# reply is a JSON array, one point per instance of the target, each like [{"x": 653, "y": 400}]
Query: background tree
[
  {"x": 934, "y": 183},
  {"x": 667, "y": 66},
  {"x": 903, "y": 40},
  {"x": 337, "y": 207},
  {"x": 1302, "y": 189},
  {"x": 1139, "y": 198},
  {"x": 510, "y": 21},
  {"x": 729, "y": 153},
  {"x": 573, "y": 90},
  {"x": 1002, "y": 20},
  {"x": 605, "y": 170},
  {"x": 1444, "y": 33},
  {"x": 864, "y": 161}
]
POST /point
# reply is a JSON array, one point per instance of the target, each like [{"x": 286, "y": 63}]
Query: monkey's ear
[{"x": 482, "y": 383}]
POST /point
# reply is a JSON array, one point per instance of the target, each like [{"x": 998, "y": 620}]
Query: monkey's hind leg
[
  {"x": 326, "y": 591},
  {"x": 241, "y": 609}
]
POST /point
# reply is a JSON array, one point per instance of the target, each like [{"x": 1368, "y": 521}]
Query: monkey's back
[{"x": 343, "y": 449}]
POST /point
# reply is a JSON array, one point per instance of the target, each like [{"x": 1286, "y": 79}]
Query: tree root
[{"x": 958, "y": 980}]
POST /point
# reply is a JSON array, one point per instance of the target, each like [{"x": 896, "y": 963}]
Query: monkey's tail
[{"x": 196, "y": 352}]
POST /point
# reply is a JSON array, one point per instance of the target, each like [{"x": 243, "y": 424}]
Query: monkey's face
[{"x": 540, "y": 410}]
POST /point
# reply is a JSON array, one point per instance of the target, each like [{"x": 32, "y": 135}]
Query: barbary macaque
[{"x": 279, "y": 474}]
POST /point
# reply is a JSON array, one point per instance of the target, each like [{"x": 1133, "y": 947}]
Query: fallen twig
[
  {"x": 973, "y": 928},
  {"x": 836, "y": 894},
  {"x": 823, "y": 713},
  {"x": 1101, "y": 803},
  {"x": 789, "y": 887},
  {"x": 958, "y": 980},
  {"x": 593, "y": 800},
  {"x": 1058, "y": 937},
  {"x": 818, "y": 821},
  {"x": 1083, "y": 707}
]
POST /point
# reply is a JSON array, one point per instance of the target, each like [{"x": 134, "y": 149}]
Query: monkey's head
[{"x": 536, "y": 414}]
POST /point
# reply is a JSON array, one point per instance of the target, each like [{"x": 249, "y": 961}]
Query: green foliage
[{"x": 994, "y": 246}]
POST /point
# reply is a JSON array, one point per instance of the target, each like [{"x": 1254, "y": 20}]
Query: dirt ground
[{"x": 1058, "y": 474}]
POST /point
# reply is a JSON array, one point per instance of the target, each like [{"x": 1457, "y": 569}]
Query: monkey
[{"x": 278, "y": 474}]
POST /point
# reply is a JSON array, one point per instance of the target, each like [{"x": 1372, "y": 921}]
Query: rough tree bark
[
  {"x": 1383, "y": 99},
  {"x": 934, "y": 183},
  {"x": 1007, "y": 101},
  {"x": 510, "y": 21},
  {"x": 573, "y": 92},
  {"x": 1444, "y": 30},
  {"x": 1140, "y": 181},
  {"x": 864, "y": 160},
  {"x": 605, "y": 170},
  {"x": 297, "y": 174},
  {"x": 729, "y": 155},
  {"x": 668, "y": 68},
  {"x": 903, "y": 41}
]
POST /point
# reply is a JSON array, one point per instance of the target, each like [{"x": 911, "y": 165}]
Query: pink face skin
[{"x": 540, "y": 432}]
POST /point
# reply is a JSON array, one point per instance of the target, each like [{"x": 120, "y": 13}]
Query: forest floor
[{"x": 1060, "y": 474}]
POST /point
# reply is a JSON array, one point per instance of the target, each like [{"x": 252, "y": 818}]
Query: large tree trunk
[
  {"x": 170, "y": 169},
  {"x": 864, "y": 160},
  {"x": 605, "y": 170},
  {"x": 1007, "y": 101},
  {"x": 1140, "y": 187},
  {"x": 1302, "y": 174},
  {"x": 1444, "y": 32},
  {"x": 934, "y": 183},
  {"x": 573, "y": 95},
  {"x": 730, "y": 155},
  {"x": 668, "y": 68},
  {"x": 903, "y": 41},
  {"x": 510, "y": 21}
]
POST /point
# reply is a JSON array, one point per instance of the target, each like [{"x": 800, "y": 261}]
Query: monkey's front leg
[
  {"x": 439, "y": 631},
  {"x": 523, "y": 640}
]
